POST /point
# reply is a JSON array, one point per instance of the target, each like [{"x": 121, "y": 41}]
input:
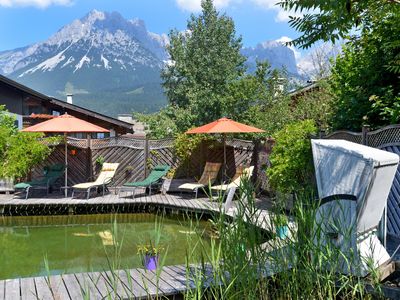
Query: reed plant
[
  {"x": 250, "y": 263},
  {"x": 243, "y": 261}
]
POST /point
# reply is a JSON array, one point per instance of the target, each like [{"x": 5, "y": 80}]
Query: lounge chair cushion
[
  {"x": 237, "y": 181},
  {"x": 155, "y": 175},
  {"x": 51, "y": 174},
  {"x": 222, "y": 187},
  {"x": 22, "y": 185},
  {"x": 85, "y": 185},
  {"x": 106, "y": 175},
  {"x": 209, "y": 175},
  {"x": 160, "y": 168},
  {"x": 191, "y": 186}
]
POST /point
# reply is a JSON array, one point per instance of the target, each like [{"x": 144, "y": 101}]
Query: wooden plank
[
  {"x": 100, "y": 284},
  {"x": 149, "y": 288},
  {"x": 42, "y": 288},
  {"x": 12, "y": 289},
  {"x": 87, "y": 286},
  {"x": 162, "y": 287},
  {"x": 132, "y": 285},
  {"x": 28, "y": 290},
  {"x": 118, "y": 290},
  {"x": 165, "y": 281},
  {"x": 2, "y": 289},
  {"x": 72, "y": 285},
  {"x": 178, "y": 272},
  {"x": 178, "y": 285},
  {"x": 386, "y": 270},
  {"x": 58, "y": 288},
  {"x": 172, "y": 200}
]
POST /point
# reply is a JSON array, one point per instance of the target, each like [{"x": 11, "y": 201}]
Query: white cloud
[
  {"x": 195, "y": 5},
  {"x": 268, "y": 4},
  {"x": 285, "y": 39},
  {"x": 282, "y": 15},
  {"x": 36, "y": 3}
]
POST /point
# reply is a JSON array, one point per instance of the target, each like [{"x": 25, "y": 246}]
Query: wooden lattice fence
[
  {"x": 78, "y": 164},
  {"x": 387, "y": 138},
  {"x": 137, "y": 157}
]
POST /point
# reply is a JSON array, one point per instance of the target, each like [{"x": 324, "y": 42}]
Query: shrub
[
  {"x": 291, "y": 161},
  {"x": 19, "y": 151}
]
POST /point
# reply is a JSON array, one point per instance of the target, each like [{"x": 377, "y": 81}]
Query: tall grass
[
  {"x": 242, "y": 265},
  {"x": 243, "y": 261}
]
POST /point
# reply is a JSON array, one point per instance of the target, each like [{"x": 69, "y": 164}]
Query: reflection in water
[
  {"x": 106, "y": 238},
  {"x": 83, "y": 243}
]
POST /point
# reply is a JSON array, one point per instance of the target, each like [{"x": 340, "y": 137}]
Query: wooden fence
[
  {"x": 138, "y": 156},
  {"x": 387, "y": 138}
]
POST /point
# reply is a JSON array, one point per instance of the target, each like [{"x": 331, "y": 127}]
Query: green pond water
[{"x": 83, "y": 243}]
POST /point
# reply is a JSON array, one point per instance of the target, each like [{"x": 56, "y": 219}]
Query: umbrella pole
[
  {"x": 224, "y": 141},
  {"x": 66, "y": 166}
]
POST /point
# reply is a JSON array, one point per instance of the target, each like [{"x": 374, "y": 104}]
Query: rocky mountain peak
[
  {"x": 93, "y": 16},
  {"x": 275, "y": 52},
  {"x": 103, "y": 56}
]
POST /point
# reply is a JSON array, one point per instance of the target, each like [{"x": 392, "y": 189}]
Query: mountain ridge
[{"x": 102, "y": 57}]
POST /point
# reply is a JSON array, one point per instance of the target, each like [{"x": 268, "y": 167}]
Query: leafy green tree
[
  {"x": 332, "y": 20},
  {"x": 19, "y": 151},
  {"x": 159, "y": 125},
  {"x": 205, "y": 59},
  {"x": 291, "y": 160},
  {"x": 258, "y": 99},
  {"x": 206, "y": 81},
  {"x": 365, "y": 78},
  {"x": 316, "y": 105}
]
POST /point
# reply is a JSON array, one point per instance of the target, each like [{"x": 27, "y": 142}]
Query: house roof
[
  {"x": 65, "y": 105},
  {"x": 21, "y": 87},
  {"x": 308, "y": 88},
  {"x": 90, "y": 113}
]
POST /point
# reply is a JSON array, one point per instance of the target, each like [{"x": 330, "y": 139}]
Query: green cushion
[
  {"x": 155, "y": 175},
  {"x": 22, "y": 185},
  {"x": 161, "y": 168},
  {"x": 52, "y": 173}
]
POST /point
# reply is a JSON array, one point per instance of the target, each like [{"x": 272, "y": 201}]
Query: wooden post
[
  {"x": 364, "y": 139},
  {"x": 146, "y": 156},
  {"x": 89, "y": 170},
  {"x": 256, "y": 159}
]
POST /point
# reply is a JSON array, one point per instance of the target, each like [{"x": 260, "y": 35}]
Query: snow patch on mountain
[
  {"x": 80, "y": 64},
  {"x": 105, "y": 61},
  {"x": 110, "y": 33},
  {"x": 69, "y": 61},
  {"x": 275, "y": 52},
  {"x": 48, "y": 64}
]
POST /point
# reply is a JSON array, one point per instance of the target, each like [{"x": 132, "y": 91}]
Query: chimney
[{"x": 69, "y": 98}]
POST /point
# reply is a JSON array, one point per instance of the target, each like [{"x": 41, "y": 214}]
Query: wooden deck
[
  {"x": 123, "y": 284},
  {"x": 184, "y": 202}
]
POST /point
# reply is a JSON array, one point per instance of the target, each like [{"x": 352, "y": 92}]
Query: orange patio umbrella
[
  {"x": 66, "y": 124},
  {"x": 224, "y": 126}
]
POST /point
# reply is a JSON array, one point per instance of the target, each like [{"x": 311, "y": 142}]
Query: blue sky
[{"x": 24, "y": 22}]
